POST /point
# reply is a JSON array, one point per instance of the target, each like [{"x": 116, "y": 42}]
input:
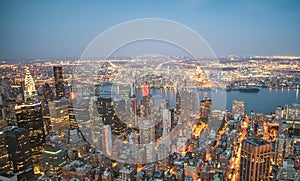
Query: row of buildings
[{"x": 107, "y": 138}]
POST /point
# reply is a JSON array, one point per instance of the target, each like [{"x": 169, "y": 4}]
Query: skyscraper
[
  {"x": 106, "y": 107},
  {"x": 59, "y": 116},
  {"x": 53, "y": 157},
  {"x": 205, "y": 109},
  {"x": 47, "y": 93},
  {"x": 238, "y": 107},
  {"x": 147, "y": 131},
  {"x": 255, "y": 160},
  {"x": 166, "y": 123},
  {"x": 59, "y": 82},
  {"x": 30, "y": 92},
  {"x": 178, "y": 103},
  {"x": 186, "y": 105},
  {"x": 3, "y": 122},
  {"x": 293, "y": 115},
  {"x": 47, "y": 97},
  {"x": 18, "y": 148},
  {"x": 4, "y": 159},
  {"x": 163, "y": 151},
  {"x": 8, "y": 113},
  {"x": 73, "y": 134},
  {"x": 72, "y": 117},
  {"x": 283, "y": 147},
  {"x": 145, "y": 108},
  {"x": 133, "y": 105},
  {"x": 107, "y": 139},
  {"x": 29, "y": 116},
  {"x": 73, "y": 137}
]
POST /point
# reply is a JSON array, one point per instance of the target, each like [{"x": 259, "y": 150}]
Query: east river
[{"x": 265, "y": 101}]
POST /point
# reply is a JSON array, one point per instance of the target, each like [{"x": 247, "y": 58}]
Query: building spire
[
  {"x": 30, "y": 91},
  {"x": 132, "y": 91}
]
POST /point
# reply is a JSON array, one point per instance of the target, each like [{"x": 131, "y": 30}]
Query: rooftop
[
  {"x": 127, "y": 169},
  {"x": 256, "y": 141},
  {"x": 7, "y": 174}
]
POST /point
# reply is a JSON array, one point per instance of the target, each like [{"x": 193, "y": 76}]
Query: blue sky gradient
[{"x": 63, "y": 28}]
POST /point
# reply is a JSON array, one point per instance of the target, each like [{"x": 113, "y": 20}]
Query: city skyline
[
  {"x": 63, "y": 29},
  {"x": 168, "y": 90},
  {"x": 164, "y": 122}
]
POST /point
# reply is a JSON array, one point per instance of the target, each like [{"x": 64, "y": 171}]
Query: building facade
[
  {"x": 255, "y": 161},
  {"x": 59, "y": 82},
  {"x": 29, "y": 116}
]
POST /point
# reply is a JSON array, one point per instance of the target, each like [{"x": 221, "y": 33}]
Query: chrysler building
[{"x": 30, "y": 91}]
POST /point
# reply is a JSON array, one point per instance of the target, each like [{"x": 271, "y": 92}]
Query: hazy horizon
[{"x": 63, "y": 29}]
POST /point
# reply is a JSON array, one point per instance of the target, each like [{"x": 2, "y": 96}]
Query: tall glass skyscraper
[
  {"x": 18, "y": 146},
  {"x": 58, "y": 78},
  {"x": 29, "y": 116}
]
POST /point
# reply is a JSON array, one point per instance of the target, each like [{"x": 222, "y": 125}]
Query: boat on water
[
  {"x": 243, "y": 89},
  {"x": 248, "y": 89}
]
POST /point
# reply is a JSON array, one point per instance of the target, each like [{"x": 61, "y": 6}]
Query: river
[{"x": 265, "y": 101}]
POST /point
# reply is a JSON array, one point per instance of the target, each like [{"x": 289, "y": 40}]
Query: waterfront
[{"x": 264, "y": 101}]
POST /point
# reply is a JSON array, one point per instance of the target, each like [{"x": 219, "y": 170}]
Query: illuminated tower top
[
  {"x": 145, "y": 90},
  {"x": 30, "y": 91}
]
